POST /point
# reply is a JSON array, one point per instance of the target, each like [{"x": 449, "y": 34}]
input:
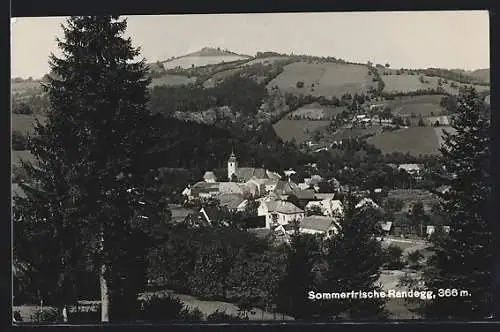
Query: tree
[
  {"x": 387, "y": 65},
  {"x": 315, "y": 210},
  {"x": 393, "y": 257},
  {"x": 301, "y": 257},
  {"x": 22, "y": 108},
  {"x": 19, "y": 141},
  {"x": 421, "y": 122},
  {"x": 463, "y": 258},
  {"x": 92, "y": 191},
  {"x": 352, "y": 260},
  {"x": 300, "y": 84}
]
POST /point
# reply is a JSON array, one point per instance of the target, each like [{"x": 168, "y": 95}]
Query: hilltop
[{"x": 205, "y": 56}]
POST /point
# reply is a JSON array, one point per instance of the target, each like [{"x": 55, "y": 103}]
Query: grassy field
[
  {"x": 26, "y": 87},
  {"x": 172, "y": 80},
  {"x": 299, "y": 130},
  {"x": 266, "y": 61},
  {"x": 324, "y": 79},
  {"x": 17, "y": 156},
  {"x": 316, "y": 111},
  {"x": 200, "y": 61},
  {"x": 408, "y": 83},
  {"x": 25, "y": 123},
  {"x": 345, "y": 133},
  {"x": 415, "y": 140},
  {"x": 426, "y": 105}
]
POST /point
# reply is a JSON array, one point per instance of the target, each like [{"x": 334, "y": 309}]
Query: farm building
[{"x": 318, "y": 225}]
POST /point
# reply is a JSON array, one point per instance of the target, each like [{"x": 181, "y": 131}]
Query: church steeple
[{"x": 232, "y": 165}]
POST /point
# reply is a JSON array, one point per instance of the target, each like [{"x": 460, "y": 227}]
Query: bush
[
  {"x": 22, "y": 108},
  {"x": 393, "y": 257},
  {"x": 222, "y": 316},
  {"x": 414, "y": 258},
  {"x": 300, "y": 84},
  {"x": 161, "y": 308},
  {"x": 16, "y": 315},
  {"x": 19, "y": 141},
  {"x": 47, "y": 315}
]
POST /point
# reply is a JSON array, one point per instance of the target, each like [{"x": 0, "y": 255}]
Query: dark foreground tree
[
  {"x": 353, "y": 260},
  {"x": 91, "y": 193},
  {"x": 302, "y": 256},
  {"x": 463, "y": 260}
]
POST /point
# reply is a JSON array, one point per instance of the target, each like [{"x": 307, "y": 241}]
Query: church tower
[{"x": 232, "y": 165}]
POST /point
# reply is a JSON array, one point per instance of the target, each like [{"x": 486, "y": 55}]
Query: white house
[
  {"x": 318, "y": 225},
  {"x": 412, "y": 169},
  {"x": 279, "y": 212},
  {"x": 367, "y": 202},
  {"x": 328, "y": 206}
]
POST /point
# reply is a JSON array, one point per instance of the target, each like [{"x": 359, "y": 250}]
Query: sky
[{"x": 445, "y": 39}]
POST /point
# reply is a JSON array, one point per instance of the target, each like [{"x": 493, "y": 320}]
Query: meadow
[
  {"x": 315, "y": 111},
  {"x": 200, "y": 61},
  {"x": 25, "y": 123},
  {"x": 300, "y": 130},
  {"x": 324, "y": 79},
  {"x": 408, "y": 83},
  {"x": 172, "y": 80},
  {"x": 414, "y": 140},
  {"x": 425, "y": 105}
]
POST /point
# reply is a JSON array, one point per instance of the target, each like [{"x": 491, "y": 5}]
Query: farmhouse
[{"x": 279, "y": 212}]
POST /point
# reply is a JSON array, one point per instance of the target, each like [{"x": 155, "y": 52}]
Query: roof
[
  {"x": 366, "y": 201},
  {"x": 231, "y": 201},
  {"x": 304, "y": 194},
  {"x": 283, "y": 207},
  {"x": 323, "y": 196},
  {"x": 230, "y": 188},
  {"x": 317, "y": 223},
  {"x": 209, "y": 176},
  {"x": 409, "y": 167},
  {"x": 246, "y": 173},
  {"x": 205, "y": 187},
  {"x": 285, "y": 187},
  {"x": 273, "y": 175},
  {"x": 386, "y": 226}
]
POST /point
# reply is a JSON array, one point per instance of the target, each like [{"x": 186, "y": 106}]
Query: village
[{"x": 281, "y": 203}]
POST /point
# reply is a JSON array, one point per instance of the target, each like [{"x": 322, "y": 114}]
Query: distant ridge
[{"x": 210, "y": 51}]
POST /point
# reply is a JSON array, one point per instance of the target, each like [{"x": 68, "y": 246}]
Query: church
[{"x": 243, "y": 181}]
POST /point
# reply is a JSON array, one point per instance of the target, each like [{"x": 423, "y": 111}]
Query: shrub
[
  {"x": 47, "y": 315},
  {"x": 161, "y": 308},
  {"x": 16, "y": 315},
  {"x": 414, "y": 258},
  {"x": 222, "y": 316},
  {"x": 393, "y": 257},
  {"x": 300, "y": 84},
  {"x": 22, "y": 108},
  {"x": 19, "y": 141}
]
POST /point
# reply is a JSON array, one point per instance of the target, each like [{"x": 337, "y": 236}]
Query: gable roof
[
  {"x": 230, "y": 188},
  {"x": 304, "y": 194},
  {"x": 283, "y": 207},
  {"x": 209, "y": 176},
  {"x": 367, "y": 201},
  {"x": 324, "y": 196},
  {"x": 317, "y": 223},
  {"x": 231, "y": 201},
  {"x": 205, "y": 187},
  {"x": 246, "y": 173},
  {"x": 285, "y": 187}
]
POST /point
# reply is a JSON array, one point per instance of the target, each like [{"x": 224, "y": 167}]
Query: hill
[
  {"x": 204, "y": 57},
  {"x": 324, "y": 79}
]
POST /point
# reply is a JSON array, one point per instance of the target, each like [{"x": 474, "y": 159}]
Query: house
[
  {"x": 204, "y": 190},
  {"x": 304, "y": 196},
  {"x": 289, "y": 173},
  {"x": 278, "y": 212},
  {"x": 367, "y": 202},
  {"x": 244, "y": 174},
  {"x": 209, "y": 177},
  {"x": 430, "y": 230},
  {"x": 443, "y": 190},
  {"x": 318, "y": 225},
  {"x": 386, "y": 227},
  {"x": 233, "y": 188},
  {"x": 329, "y": 207},
  {"x": 273, "y": 175},
  {"x": 412, "y": 169}
]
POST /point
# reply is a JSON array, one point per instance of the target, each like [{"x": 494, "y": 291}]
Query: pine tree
[
  {"x": 353, "y": 260},
  {"x": 463, "y": 259},
  {"x": 92, "y": 188},
  {"x": 302, "y": 255}
]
